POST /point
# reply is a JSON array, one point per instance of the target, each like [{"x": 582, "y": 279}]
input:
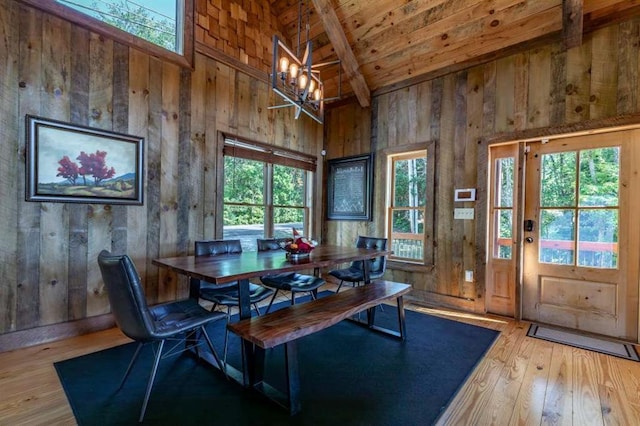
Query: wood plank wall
[
  {"x": 462, "y": 113},
  {"x": 52, "y": 68}
]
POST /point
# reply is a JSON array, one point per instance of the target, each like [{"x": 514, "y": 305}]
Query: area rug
[
  {"x": 349, "y": 376},
  {"x": 605, "y": 346}
]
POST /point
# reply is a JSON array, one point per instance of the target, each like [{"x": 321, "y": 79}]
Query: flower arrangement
[{"x": 299, "y": 245}]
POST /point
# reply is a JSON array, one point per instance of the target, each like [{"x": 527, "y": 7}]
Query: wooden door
[
  {"x": 581, "y": 233},
  {"x": 503, "y": 212}
]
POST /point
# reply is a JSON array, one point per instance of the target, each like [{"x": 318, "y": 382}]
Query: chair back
[
  {"x": 265, "y": 244},
  {"x": 126, "y": 296},
  {"x": 217, "y": 247},
  {"x": 378, "y": 265}
]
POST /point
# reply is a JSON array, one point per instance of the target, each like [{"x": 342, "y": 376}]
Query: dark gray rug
[
  {"x": 349, "y": 376},
  {"x": 596, "y": 344}
]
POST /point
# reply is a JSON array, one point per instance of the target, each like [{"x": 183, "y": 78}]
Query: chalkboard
[{"x": 350, "y": 188}]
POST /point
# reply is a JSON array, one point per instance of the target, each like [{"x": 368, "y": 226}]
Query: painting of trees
[
  {"x": 68, "y": 170},
  {"x": 71, "y": 163},
  {"x": 94, "y": 165}
]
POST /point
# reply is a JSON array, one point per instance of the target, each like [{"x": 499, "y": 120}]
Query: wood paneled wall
[
  {"x": 535, "y": 92},
  {"x": 48, "y": 251}
]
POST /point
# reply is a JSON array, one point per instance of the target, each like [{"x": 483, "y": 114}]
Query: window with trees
[
  {"x": 267, "y": 192},
  {"x": 579, "y": 208},
  {"x": 502, "y": 208},
  {"x": 406, "y": 206},
  {"x": 159, "y": 26}
]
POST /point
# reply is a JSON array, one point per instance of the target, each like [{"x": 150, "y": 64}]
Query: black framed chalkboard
[{"x": 349, "y": 195}]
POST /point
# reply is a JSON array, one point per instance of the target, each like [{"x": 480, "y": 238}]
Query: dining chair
[
  {"x": 292, "y": 282},
  {"x": 354, "y": 274},
  {"x": 227, "y": 294},
  {"x": 183, "y": 320}
]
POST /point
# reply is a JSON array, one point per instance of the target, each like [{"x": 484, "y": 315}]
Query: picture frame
[
  {"x": 79, "y": 164},
  {"x": 350, "y": 188}
]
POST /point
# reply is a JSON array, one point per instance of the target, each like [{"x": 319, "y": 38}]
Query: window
[
  {"x": 580, "y": 208},
  {"x": 159, "y": 27},
  {"x": 407, "y": 206},
  {"x": 153, "y": 20},
  {"x": 267, "y": 192},
  {"x": 504, "y": 186}
]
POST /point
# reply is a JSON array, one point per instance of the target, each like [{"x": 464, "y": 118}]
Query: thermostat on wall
[{"x": 468, "y": 194}]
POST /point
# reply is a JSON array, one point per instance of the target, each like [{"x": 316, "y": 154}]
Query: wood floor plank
[
  {"x": 558, "y": 397},
  {"x": 586, "y": 402},
  {"x": 528, "y": 406}
]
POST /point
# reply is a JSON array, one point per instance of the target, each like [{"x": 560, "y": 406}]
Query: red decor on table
[{"x": 299, "y": 245}]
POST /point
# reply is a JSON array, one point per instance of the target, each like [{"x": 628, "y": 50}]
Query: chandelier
[{"x": 296, "y": 79}]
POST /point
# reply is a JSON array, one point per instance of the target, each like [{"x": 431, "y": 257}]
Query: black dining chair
[
  {"x": 354, "y": 274},
  {"x": 183, "y": 320},
  {"x": 292, "y": 282},
  {"x": 227, "y": 294}
]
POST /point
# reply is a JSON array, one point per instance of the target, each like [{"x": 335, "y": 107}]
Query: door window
[{"x": 579, "y": 206}]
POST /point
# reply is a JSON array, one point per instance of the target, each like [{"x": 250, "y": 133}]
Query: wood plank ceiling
[{"x": 395, "y": 43}]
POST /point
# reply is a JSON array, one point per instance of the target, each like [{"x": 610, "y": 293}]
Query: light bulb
[
  {"x": 284, "y": 65},
  {"x": 312, "y": 85},
  {"x": 293, "y": 71},
  {"x": 303, "y": 80},
  {"x": 317, "y": 94}
]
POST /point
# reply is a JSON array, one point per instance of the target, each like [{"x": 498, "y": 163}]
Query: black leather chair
[
  {"x": 287, "y": 281},
  {"x": 354, "y": 273},
  {"x": 227, "y": 294},
  {"x": 179, "y": 320}
]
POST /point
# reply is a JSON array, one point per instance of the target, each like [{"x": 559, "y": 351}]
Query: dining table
[{"x": 247, "y": 265}]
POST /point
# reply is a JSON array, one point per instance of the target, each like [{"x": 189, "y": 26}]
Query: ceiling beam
[
  {"x": 342, "y": 48},
  {"x": 572, "y": 18}
]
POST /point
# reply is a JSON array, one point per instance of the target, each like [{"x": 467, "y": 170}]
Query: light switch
[
  {"x": 466, "y": 213},
  {"x": 468, "y": 276}
]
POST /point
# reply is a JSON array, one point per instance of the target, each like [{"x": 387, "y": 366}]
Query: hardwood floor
[{"x": 521, "y": 381}]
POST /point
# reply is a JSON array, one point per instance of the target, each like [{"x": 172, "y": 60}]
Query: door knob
[{"x": 529, "y": 239}]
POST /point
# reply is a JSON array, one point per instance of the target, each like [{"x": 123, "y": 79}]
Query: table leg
[
  {"x": 366, "y": 271},
  {"x": 401, "y": 319},
  {"x": 248, "y": 350}
]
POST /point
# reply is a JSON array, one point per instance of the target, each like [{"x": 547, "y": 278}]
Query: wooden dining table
[{"x": 242, "y": 267}]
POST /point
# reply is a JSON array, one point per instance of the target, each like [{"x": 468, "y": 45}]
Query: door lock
[
  {"x": 529, "y": 239},
  {"x": 529, "y": 225}
]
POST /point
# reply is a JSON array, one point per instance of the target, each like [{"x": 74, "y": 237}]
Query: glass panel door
[{"x": 581, "y": 249}]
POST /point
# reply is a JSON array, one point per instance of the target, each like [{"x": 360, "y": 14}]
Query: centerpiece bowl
[{"x": 298, "y": 248}]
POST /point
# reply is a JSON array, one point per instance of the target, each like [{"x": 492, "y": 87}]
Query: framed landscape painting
[{"x": 79, "y": 164}]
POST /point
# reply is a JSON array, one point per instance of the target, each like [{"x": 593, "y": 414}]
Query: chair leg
[
  {"x": 223, "y": 367},
  {"x": 271, "y": 301},
  {"x": 340, "y": 286},
  {"x": 257, "y": 308},
  {"x": 226, "y": 335},
  {"x": 154, "y": 370},
  {"x": 133, "y": 360}
]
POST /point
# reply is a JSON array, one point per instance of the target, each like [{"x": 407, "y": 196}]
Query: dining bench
[{"x": 285, "y": 326}]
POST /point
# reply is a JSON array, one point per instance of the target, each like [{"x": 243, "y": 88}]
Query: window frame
[
  {"x": 270, "y": 155},
  {"x": 429, "y": 217},
  {"x": 184, "y": 59}
]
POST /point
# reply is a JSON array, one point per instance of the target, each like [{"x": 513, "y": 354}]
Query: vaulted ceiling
[{"x": 386, "y": 44}]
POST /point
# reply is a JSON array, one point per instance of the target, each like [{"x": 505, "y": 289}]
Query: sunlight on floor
[{"x": 458, "y": 315}]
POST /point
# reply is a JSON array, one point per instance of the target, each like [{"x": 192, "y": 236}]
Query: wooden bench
[{"x": 285, "y": 326}]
